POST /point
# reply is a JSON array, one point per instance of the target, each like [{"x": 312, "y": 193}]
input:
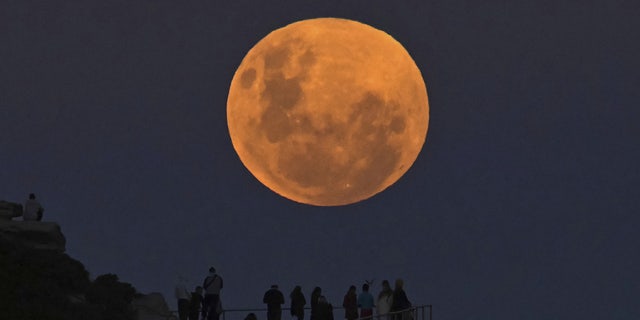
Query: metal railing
[{"x": 421, "y": 312}]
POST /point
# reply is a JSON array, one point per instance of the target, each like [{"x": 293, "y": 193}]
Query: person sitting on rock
[{"x": 32, "y": 209}]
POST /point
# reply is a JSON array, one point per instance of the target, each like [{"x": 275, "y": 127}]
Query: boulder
[
  {"x": 9, "y": 210},
  {"x": 152, "y": 307},
  {"x": 34, "y": 234}
]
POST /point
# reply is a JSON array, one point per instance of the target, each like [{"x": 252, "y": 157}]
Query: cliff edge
[
  {"x": 33, "y": 234},
  {"x": 38, "y": 280}
]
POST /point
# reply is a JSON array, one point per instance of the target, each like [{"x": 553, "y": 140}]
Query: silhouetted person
[
  {"x": 350, "y": 304},
  {"x": 212, "y": 285},
  {"x": 251, "y": 316},
  {"x": 365, "y": 302},
  {"x": 324, "y": 309},
  {"x": 400, "y": 301},
  {"x": 274, "y": 300},
  {"x": 184, "y": 297},
  {"x": 385, "y": 300},
  {"x": 195, "y": 305},
  {"x": 32, "y": 209},
  {"x": 297, "y": 303},
  {"x": 315, "y": 295}
]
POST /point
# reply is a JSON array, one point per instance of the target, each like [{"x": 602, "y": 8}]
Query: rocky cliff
[
  {"x": 9, "y": 210},
  {"x": 38, "y": 280},
  {"x": 151, "y": 307}
]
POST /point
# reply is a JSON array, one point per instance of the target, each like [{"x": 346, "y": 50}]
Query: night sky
[{"x": 523, "y": 203}]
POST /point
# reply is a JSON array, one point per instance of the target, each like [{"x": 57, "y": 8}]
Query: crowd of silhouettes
[
  {"x": 391, "y": 304},
  {"x": 205, "y": 303}
]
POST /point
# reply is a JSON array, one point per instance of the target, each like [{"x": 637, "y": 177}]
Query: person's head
[
  {"x": 32, "y": 196},
  {"x": 352, "y": 289},
  {"x": 386, "y": 285},
  {"x": 251, "y": 316},
  {"x": 317, "y": 290},
  {"x": 365, "y": 287},
  {"x": 322, "y": 299},
  {"x": 296, "y": 291},
  {"x": 199, "y": 290},
  {"x": 399, "y": 283},
  {"x": 212, "y": 270}
]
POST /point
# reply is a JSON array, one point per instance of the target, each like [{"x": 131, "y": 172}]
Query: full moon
[{"x": 328, "y": 111}]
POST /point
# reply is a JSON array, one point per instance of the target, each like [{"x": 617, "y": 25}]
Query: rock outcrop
[
  {"x": 33, "y": 234},
  {"x": 36, "y": 283},
  {"x": 9, "y": 210},
  {"x": 151, "y": 307},
  {"x": 39, "y": 281}
]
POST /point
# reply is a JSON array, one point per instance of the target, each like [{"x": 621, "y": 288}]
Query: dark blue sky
[{"x": 522, "y": 205}]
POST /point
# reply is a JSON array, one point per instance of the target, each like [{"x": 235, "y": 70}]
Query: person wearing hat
[
  {"x": 274, "y": 300},
  {"x": 212, "y": 285}
]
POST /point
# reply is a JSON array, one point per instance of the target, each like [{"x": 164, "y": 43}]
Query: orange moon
[{"x": 328, "y": 111}]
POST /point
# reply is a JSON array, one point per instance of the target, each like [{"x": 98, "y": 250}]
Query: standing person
[
  {"x": 350, "y": 304},
  {"x": 183, "y": 296},
  {"x": 315, "y": 295},
  {"x": 195, "y": 305},
  {"x": 400, "y": 301},
  {"x": 297, "y": 303},
  {"x": 32, "y": 209},
  {"x": 324, "y": 309},
  {"x": 274, "y": 300},
  {"x": 212, "y": 285},
  {"x": 365, "y": 302},
  {"x": 385, "y": 300}
]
